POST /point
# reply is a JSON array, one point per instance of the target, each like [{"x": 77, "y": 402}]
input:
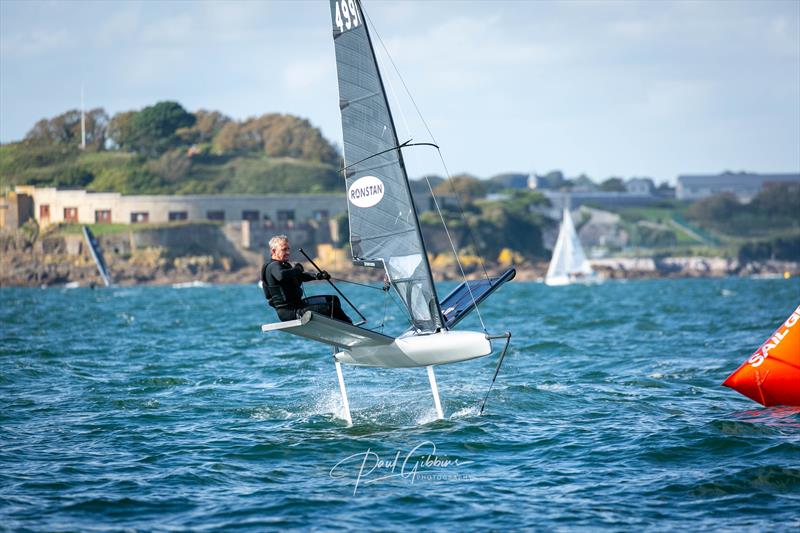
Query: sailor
[{"x": 283, "y": 286}]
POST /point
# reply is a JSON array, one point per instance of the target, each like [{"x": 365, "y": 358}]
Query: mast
[{"x": 83, "y": 122}]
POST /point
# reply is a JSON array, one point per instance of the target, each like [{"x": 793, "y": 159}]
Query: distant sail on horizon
[{"x": 569, "y": 263}]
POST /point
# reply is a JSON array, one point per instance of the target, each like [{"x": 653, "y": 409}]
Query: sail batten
[{"x": 383, "y": 222}]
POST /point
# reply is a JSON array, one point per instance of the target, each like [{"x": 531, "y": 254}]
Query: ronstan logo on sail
[{"x": 365, "y": 191}]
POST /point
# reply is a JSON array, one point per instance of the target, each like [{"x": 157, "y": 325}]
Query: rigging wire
[
  {"x": 433, "y": 138},
  {"x": 447, "y": 171},
  {"x": 460, "y": 267},
  {"x": 394, "y": 94}
]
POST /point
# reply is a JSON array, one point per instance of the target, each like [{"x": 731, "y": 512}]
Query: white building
[
  {"x": 743, "y": 184},
  {"x": 53, "y": 206},
  {"x": 640, "y": 186}
]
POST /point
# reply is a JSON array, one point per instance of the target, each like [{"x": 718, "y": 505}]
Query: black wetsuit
[{"x": 283, "y": 288}]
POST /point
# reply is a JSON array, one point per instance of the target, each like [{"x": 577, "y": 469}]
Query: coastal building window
[
  {"x": 44, "y": 213},
  {"x": 70, "y": 214},
  {"x": 286, "y": 215},
  {"x": 102, "y": 215},
  {"x": 320, "y": 214},
  {"x": 215, "y": 215},
  {"x": 178, "y": 215},
  {"x": 252, "y": 216},
  {"x": 140, "y": 217}
]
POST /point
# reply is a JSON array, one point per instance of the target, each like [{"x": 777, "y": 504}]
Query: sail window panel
[{"x": 409, "y": 276}]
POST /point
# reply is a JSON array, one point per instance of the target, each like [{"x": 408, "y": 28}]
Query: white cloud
[
  {"x": 306, "y": 75},
  {"x": 118, "y": 26},
  {"x": 783, "y": 37},
  {"x": 36, "y": 42},
  {"x": 503, "y": 84}
]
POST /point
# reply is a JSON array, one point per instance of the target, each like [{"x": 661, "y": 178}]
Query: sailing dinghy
[
  {"x": 97, "y": 255},
  {"x": 568, "y": 264},
  {"x": 385, "y": 233}
]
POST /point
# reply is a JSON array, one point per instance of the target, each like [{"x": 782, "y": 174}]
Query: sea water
[{"x": 161, "y": 408}]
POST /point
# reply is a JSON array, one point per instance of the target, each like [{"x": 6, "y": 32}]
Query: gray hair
[{"x": 277, "y": 240}]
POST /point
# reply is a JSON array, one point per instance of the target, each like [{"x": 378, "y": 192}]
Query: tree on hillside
[
  {"x": 584, "y": 182},
  {"x": 66, "y": 129},
  {"x": 120, "y": 129},
  {"x": 467, "y": 187},
  {"x": 276, "y": 135},
  {"x": 613, "y": 185},
  {"x": 713, "y": 209},
  {"x": 207, "y": 125},
  {"x": 522, "y": 200},
  {"x": 226, "y": 141},
  {"x": 665, "y": 189},
  {"x": 498, "y": 226},
  {"x": 153, "y": 129},
  {"x": 778, "y": 201},
  {"x": 553, "y": 179}
]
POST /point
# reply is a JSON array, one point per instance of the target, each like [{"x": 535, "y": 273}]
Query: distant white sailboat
[{"x": 569, "y": 263}]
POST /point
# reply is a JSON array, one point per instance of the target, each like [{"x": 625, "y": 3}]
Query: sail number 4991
[{"x": 347, "y": 15}]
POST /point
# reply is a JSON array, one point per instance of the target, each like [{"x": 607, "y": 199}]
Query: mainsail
[
  {"x": 97, "y": 254},
  {"x": 569, "y": 263},
  {"x": 384, "y": 230}
]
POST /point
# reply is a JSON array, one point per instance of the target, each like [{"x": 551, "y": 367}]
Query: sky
[{"x": 602, "y": 88}]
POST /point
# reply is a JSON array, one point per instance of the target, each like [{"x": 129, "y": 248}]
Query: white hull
[
  {"x": 359, "y": 346},
  {"x": 558, "y": 281},
  {"x": 420, "y": 350}
]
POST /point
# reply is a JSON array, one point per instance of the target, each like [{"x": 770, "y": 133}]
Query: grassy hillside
[
  {"x": 164, "y": 149},
  {"x": 766, "y": 228},
  {"x": 129, "y": 173}
]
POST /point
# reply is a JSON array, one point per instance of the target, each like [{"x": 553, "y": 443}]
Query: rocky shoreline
[
  {"x": 61, "y": 260},
  {"x": 49, "y": 271}
]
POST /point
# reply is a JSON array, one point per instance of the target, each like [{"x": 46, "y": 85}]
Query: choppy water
[{"x": 167, "y": 409}]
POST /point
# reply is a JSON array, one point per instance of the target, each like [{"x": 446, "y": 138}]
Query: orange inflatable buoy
[{"x": 771, "y": 376}]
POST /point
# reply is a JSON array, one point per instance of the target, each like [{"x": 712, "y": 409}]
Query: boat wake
[{"x": 190, "y": 284}]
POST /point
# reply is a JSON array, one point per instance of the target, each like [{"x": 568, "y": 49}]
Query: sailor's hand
[{"x": 323, "y": 275}]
